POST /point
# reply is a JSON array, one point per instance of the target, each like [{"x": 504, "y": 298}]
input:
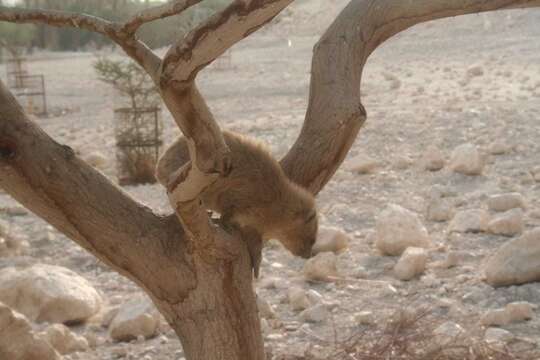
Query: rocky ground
[{"x": 453, "y": 123}]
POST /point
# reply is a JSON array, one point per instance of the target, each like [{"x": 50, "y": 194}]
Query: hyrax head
[{"x": 300, "y": 232}]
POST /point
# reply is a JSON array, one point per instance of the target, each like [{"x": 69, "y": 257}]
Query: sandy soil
[{"x": 415, "y": 94}]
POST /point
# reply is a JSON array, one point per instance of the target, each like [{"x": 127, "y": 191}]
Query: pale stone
[
  {"x": 411, "y": 264},
  {"x": 321, "y": 267},
  {"x": 499, "y": 148},
  {"x": 475, "y": 71},
  {"x": 137, "y": 317},
  {"x": 330, "y": 239},
  {"x": 49, "y": 293},
  {"x": 496, "y": 335},
  {"x": 433, "y": 159},
  {"x": 509, "y": 223},
  {"x": 18, "y": 341},
  {"x": 266, "y": 310},
  {"x": 63, "y": 340},
  {"x": 513, "y": 312},
  {"x": 97, "y": 160},
  {"x": 317, "y": 313},
  {"x": 467, "y": 160},
  {"x": 505, "y": 202},
  {"x": 520, "y": 311},
  {"x": 472, "y": 220},
  {"x": 365, "y": 318},
  {"x": 397, "y": 229},
  {"x": 498, "y": 317},
  {"x": 516, "y": 262},
  {"x": 402, "y": 162},
  {"x": 298, "y": 299},
  {"x": 439, "y": 210},
  {"x": 363, "y": 164}
]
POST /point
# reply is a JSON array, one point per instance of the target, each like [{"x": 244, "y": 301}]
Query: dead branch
[
  {"x": 335, "y": 113},
  {"x": 212, "y": 38},
  {"x": 155, "y": 13},
  {"x": 135, "y": 48}
]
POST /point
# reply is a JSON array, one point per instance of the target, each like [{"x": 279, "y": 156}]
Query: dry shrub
[{"x": 410, "y": 336}]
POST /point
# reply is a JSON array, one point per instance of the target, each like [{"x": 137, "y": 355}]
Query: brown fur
[{"x": 256, "y": 193}]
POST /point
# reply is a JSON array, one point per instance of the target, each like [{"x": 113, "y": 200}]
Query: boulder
[
  {"x": 63, "y": 340},
  {"x": 516, "y": 262},
  {"x": 137, "y": 317},
  {"x": 321, "y": 267},
  {"x": 433, "y": 159},
  {"x": 411, "y": 264},
  {"x": 509, "y": 223},
  {"x": 467, "y": 160},
  {"x": 397, "y": 229},
  {"x": 363, "y": 164},
  {"x": 472, "y": 220},
  {"x": 439, "y": 209},
  {"x": 18, "y": 341},
  {"x": 298, "y": 298},
  {"x": 317, "y": 313},
  {"x": 505, "y": 202},
  {"x": 330, "y": 239},
  {"x": 49, "y": 293}
]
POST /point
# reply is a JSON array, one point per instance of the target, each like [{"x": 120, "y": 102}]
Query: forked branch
[{"x": 335, "y": 113}]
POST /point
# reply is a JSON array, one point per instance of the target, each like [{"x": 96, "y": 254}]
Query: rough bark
[{"x": 198, "y": 274}]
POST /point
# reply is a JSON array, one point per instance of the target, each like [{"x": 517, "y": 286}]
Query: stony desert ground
[{"x": 456, "y": 96}]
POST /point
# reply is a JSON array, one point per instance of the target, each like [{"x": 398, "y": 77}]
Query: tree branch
[
  {"x": 211, "y": 39},
  {"x": 155, "y": 13},
  {"x": 335, "y": 113},
  {"x": 51, "y": 181},
  {"x": 134, "y": 48}
]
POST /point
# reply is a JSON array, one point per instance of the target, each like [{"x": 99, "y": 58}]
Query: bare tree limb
[
  {"x": 134, "y": 48},
  {"x": 51, "y": 181},
  {"x": 155, "y": 13},
  {"x": 335, "y": 113},
  {"x": 212, "y": 38}
]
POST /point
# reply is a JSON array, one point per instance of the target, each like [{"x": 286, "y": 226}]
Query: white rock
[
  {"x": 363, "y": 164},
  {"x": 475, "y": 70},
  {"x": 513, "y": 312},
  {"x": 499, "y": 148},
  {"x": 397, "y": 229},
  {"x": 402, "y": 162},
  {"x": 137, "y": 317},
  {"x": 496, "y": 335},
  {"x": 433, "y": 159},
  {"x": 365, "y": 318},
  {"x": 330, "y": 239},
  {"x": 520, "y": 311},
  {"x": 448, "y": 333},
  {"x": 509, "y": 223},
  {"x": 97, "y": 160},
  {"x": 498, "y": 317},
  {"x": 411, "y": 264},
  {"x": 505, "y": 202},
  {"x": 266, "y": 310},
  {"x": 63, "y": 340},
  {"x": 466, "y": 159},
  {"x": 516, "y": 262},
  {"x": 298, "y": 298},
  {"x": 439, "y": 210},
  {"x": 472, "y": 220},
  {"x": 49, "y": 293},
  {"x": 321, "y": 267},
  {"x": 317, "y": 313},
  {"x": 18, "y": 341}
]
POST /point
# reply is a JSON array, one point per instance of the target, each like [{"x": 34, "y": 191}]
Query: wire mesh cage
[
  {"x": 31, "y": 93},
  {"x": 15, "y": 68},
  {"x": 138, "y": 142}
]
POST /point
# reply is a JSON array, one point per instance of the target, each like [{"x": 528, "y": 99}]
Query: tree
[{"x": 198, "y": 275}]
